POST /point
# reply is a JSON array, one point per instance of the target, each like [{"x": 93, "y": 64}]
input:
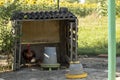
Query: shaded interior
[{"x": 41, "y": 34}]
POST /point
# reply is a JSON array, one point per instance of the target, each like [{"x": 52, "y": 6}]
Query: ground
[{"x": 95, "y": 67}]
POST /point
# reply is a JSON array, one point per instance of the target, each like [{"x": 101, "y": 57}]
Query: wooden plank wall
[{"x": 40, "y": 31}]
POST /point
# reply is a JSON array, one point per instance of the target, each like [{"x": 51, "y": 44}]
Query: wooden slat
[
  {"x": 45, "y": 31},
  {"x": 71, "y": 42}
]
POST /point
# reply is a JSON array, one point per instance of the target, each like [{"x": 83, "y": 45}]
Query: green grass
[{"x": 93, "y": 35}]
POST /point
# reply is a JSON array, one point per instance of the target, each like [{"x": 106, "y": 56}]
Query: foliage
[
  {"x": 80, "y": 9},
  {"x": 6, "y": 40},
  {"x": 91, "y": 1},
  {"x": 71, "y": 1},
  {"x": 102, "y": 8},
  {"x": 37, "y": 5},
  {"x": 6, "y": 37},
  {"x": 118, "y": 8},
  {"x": 93, "y": 36}
]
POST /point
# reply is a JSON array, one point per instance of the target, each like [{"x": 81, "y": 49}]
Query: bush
[
  {"x": 7, "y": 40},
  {"x": 118, "y": 9},
  {"x": 75, "y": 7},
  {"x": 6, "y": 11}
]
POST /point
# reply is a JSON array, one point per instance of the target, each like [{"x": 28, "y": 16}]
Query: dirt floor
[{"x": 95, "y": 67}]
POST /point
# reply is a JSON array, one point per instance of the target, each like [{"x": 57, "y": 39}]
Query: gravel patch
[{"x": 95, "y": 67}]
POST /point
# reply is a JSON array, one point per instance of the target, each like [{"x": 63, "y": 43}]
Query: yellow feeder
[{"x": 76, "y": 71}]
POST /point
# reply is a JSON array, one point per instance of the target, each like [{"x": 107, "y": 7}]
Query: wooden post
[
  {"x": 17, "y": 50},
  {"x": 20, "y": 32},
  {"x": 71, "y": 41},
  {"x": 76, "y": 38},
  {"x": 14, "y": 53}
]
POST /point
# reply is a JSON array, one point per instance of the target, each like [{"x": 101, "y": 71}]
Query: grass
[{"x": 93, "y": 35}]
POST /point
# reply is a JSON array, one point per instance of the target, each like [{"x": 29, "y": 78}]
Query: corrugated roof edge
[{"x": 60, "y": 14}]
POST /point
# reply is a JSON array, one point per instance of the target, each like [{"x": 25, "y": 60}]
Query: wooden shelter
[{"x": 46, "y": 29}]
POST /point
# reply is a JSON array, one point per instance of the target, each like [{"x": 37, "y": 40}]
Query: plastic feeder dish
[{"x": 76, "y": 71}]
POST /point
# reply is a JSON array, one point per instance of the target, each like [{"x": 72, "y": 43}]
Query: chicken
[{"x": 28, "y": 55}]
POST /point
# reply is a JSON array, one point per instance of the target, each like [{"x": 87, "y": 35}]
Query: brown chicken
[{"x": 28, "y": 54}]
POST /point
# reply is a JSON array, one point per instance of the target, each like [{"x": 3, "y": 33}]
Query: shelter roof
[{"x": 60, "y": 14}]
